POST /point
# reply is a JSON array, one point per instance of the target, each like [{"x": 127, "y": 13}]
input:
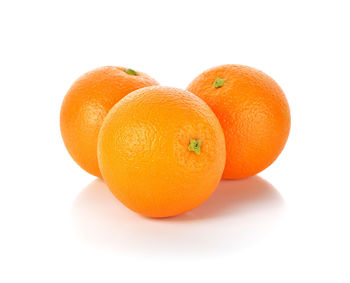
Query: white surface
[{"x": 59, "y": 224}]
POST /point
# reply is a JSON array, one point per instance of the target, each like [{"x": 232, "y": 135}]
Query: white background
[{"x": 290, "y": 224}]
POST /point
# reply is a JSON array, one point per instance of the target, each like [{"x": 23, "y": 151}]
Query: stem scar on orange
[
  {"x": 253, "y": 112},
  {"x": 87, "y": 103},
  {"x": 161, "y": 151}
]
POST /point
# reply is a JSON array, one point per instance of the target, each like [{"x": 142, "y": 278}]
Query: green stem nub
[
  {"x": 219, "y": 82},
  {"x": 195, "y": 146},
  {"x": 130, "y": 72}
]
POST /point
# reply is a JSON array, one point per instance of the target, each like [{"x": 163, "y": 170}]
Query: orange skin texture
[
  {"x": 86, "y": 105},
  {"x": 253, "y": 112},
  {"x": 143, "y": 151}
]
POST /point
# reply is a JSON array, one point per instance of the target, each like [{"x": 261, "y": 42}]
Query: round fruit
[
  {"x": 86, "y": 105},
  {"x": 161, "y": 151},
  {"x": 253, "y": 112}
]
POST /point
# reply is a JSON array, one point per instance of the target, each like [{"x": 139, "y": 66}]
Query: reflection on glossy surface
[{"x": 238, "y": 213}]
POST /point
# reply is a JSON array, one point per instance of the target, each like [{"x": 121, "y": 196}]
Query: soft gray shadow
[
  {"x": 234, "y": 196},
  {"x": 236, "y": 215}
]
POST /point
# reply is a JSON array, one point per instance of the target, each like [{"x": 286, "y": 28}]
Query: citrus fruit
[
  {"x": 253, "y": 112},
  {"x": 87, "y": 103},
  {"x": 161, "y": 151}
]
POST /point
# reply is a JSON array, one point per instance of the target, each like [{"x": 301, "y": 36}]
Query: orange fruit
[
  {"x": 161, "y": 151},
  {"x": 253, "y": 112},
  {"x": 86, "y": 105}
]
